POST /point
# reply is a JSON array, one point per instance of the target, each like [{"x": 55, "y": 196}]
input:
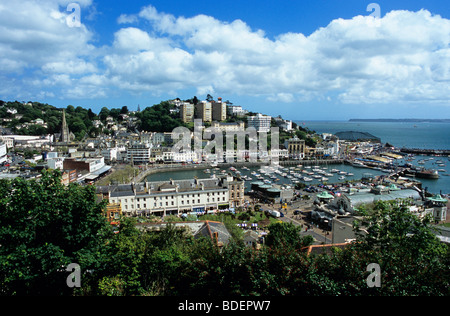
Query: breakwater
[
  {"x": 426, "y": 152},
  {"x": 312, "y": 162}
]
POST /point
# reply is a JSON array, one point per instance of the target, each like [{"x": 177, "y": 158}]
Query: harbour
[
  {"x": 284, "y": 176},
  {"x": 315, "y": 172}
]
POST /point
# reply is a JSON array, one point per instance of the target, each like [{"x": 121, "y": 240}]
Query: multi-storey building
[
  {"x": 260, "y": 122},
  {"x": 139, "y": 153},
  {"x": 219, "y": 111},
  {"x": 235, "y": 110},
  {"x": 176, "y": 197},
  {"x": 187, "y": 112},
  {"x": 229, "y": 127},
  {"x": 296, "y": 148},
  {"x": 204, "y": 111}
]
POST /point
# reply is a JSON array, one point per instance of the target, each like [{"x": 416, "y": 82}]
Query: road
[{"x": 316, "y": 233}]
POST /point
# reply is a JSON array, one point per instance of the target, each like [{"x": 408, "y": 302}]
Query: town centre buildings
[{"x": 175, "y": 197}]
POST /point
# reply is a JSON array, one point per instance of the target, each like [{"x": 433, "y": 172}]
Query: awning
[
  {"x": 91, "y": 177},
  {"x": 101, "y": 170}
]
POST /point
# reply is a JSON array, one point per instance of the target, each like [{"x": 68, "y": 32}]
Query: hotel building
[{"x": 175, "y": 197}]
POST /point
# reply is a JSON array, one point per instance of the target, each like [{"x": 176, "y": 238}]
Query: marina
[
  {"x": 282, "y": 176},
  {"x": 315, "y": 173}
]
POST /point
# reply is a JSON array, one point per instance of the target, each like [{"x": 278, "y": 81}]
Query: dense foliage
[
  {"x": 45, "y": 226},
  {"x": 156, "y": 118}
]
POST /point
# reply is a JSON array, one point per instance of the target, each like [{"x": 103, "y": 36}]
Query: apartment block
[
  {"x": 219, "y": 111},
  {"x": 187, "y": 112},
  {"x": 139, "y": 153},
  {"x": 260, "y": 122},
  {"x": 204, "y": 111}
]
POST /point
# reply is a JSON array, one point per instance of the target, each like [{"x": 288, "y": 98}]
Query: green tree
[
  {"x": 412, "y": 260},
  {"x": 44, "y": 227},
  {"x": 286, "y": 234},
  {"x": 124, "y": 110}
]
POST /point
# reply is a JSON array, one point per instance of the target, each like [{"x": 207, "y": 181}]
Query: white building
[
  {"x": 55, "y": 163},
  {"x": 110, "y": 154},
  {"x": 139, "y": 153},
  {"x": 235, "y": 110},
  {"x": 8, "y": 141},
  {"x": 171, "y": 197},
  {"x": 3, "y": 152},
  {"x": 229, "y": 127},
  {"x": 260, "y": 122}
]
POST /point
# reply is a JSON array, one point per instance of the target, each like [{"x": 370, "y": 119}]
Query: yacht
[{"x": 341, "y": 178}]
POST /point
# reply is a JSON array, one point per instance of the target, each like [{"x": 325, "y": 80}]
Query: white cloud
[
  {"x": 405, "y": 57},
  {"x": 37, "y": 42},
  {"x": 398, "y": 59}
]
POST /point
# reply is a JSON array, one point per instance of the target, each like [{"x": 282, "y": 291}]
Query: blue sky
[{"x": 304, "y": 60}]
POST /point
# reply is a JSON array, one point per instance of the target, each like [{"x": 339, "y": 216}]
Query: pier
[
  {"x": 312, "y": 162},
  {"x": 426, "y": 152}
]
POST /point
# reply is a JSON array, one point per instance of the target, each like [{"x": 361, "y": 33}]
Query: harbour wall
[{"x": 426, "y": 152}]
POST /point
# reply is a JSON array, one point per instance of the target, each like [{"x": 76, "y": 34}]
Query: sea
[{"x": 409, "y": 135}]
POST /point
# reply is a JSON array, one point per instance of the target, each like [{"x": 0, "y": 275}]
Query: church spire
[{"x": 64, "y": 129}]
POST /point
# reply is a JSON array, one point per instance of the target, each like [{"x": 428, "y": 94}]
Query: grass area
[
  {"x": 119, "y": 176},
  {"x": 231, "y": 220}
]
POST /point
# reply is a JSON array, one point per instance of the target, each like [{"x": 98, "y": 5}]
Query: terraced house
[{"x": 175, "y": 197}]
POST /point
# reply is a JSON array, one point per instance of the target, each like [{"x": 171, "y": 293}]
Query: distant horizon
[{"x": 360, "y": 120}]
